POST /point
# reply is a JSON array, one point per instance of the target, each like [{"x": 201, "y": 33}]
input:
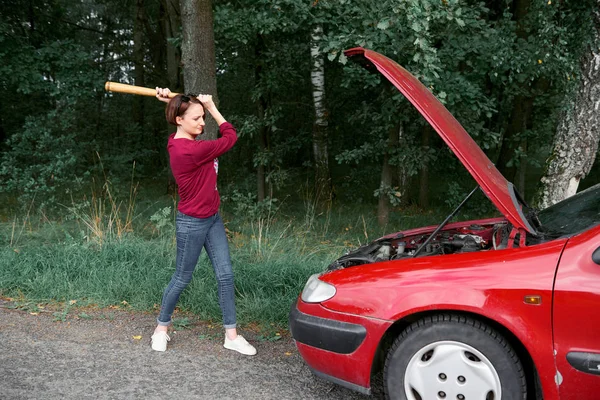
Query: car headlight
[{"x": 316, "y": 291}]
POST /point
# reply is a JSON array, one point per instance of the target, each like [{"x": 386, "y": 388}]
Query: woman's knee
[
  {"x": 225, "y": 277},
  {"x": 182, "y": 280}
]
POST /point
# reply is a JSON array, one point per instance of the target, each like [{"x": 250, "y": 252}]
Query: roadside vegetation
[{"x": 119, "y": 251}]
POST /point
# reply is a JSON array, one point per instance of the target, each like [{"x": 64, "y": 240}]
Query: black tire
[{"x": 422, "y": 338}]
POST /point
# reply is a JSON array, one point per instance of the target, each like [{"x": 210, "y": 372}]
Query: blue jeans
[{"x": 192, "y": 235}]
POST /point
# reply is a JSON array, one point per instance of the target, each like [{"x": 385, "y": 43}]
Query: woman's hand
[
  {"x": 162, "y": 94},
  {"x": 207, "y": 101},
  {"x": 209, "y": 105}
]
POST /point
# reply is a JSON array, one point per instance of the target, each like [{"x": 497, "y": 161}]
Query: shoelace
[{"x": 160, "y": 334}]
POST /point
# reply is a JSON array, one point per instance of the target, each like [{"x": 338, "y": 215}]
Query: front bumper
[
  {"x": 326, "y": 334},
  {"x": 336, "y": 346}
]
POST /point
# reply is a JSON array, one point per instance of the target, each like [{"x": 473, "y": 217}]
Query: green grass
[
  {"x": 136, "y": 271},
  {"x": 83, "y": 257}
]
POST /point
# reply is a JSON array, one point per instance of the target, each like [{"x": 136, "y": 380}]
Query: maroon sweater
[{"x": 195, "y": 167}]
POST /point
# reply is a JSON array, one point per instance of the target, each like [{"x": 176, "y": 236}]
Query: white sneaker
[
  {"x": 240, "y": 345},
  {"x": 159, "y": 341}
]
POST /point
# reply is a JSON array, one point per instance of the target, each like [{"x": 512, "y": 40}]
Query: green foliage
[
  {"x": 58, "y": 128},
  {"x": 54, "y": 122},
  {"x": 392, "y": 193},
  {"x": 41, "y": 161},
  {"x": 247, "y": 207},
  {"x": 163, "y": 220}
]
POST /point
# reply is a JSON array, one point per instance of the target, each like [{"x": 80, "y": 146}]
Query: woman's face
[{"x": 192, "y": 121}]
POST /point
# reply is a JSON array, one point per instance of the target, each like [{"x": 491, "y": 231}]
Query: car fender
[{"x": 491, "y": 284}]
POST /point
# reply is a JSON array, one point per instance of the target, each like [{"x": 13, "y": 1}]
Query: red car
[{"x": 503, "y": 308}]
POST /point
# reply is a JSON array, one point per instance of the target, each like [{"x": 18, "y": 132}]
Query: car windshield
[{"x": 572, "y": 215}]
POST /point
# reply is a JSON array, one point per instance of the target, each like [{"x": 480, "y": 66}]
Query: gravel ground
[{"x": 99, "y": 354}]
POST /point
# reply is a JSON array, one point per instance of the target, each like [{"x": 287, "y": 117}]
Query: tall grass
[
  {"x": 136, "y": 271},
  {"x": 102, "y": 256}
]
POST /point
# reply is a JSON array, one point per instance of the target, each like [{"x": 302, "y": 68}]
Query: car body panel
[
  {"x": 491, "y": 284},
  {"x": 493, "y": 184},
  {"x": 576, "y": 310}
]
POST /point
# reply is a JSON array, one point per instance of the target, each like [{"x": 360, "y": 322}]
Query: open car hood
[{"x": 495, "y": 186}]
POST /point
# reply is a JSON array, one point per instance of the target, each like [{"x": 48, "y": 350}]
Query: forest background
[{"x": 87, "y": 200}]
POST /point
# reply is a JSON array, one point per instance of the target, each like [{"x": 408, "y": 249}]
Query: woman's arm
[{"x": 209, "y": 105}]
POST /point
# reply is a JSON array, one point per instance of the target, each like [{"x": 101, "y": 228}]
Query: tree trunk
[
  {"x": 522, "y": 171},
  {"x": 522, "y": 105},
  {"x": 138, "y": 61},
  {"x": 576, "y": 140},
  {"x": 171, "y": 26},
  {"x": 262, "y": 148},
  {"x": 261, "y": 107},
  {"x": 198, "y": 53},
  {"x": 520, "y": 115},
  {"x": 320, "y": 151},
  {"x": 2, "y": 130},
  {"x": 387, "y": 171},
  {"x": 424, "y": 172},
  {"x": 402, "y": 178}
]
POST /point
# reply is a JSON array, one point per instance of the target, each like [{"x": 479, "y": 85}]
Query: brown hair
[{"x": 178, "y": 106}]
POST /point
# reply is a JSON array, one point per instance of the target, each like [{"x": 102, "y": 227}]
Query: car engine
[{"x": 463, "y": 240}]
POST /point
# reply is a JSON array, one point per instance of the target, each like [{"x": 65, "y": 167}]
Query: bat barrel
[{"x": 131, "y": 89}]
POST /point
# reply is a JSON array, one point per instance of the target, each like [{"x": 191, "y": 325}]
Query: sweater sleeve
[{"x": 208, "y": 150}]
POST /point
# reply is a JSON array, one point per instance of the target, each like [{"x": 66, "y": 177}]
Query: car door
[{"x": 576, "y": 318}]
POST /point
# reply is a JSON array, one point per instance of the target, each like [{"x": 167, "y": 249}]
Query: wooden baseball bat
[{"x": 131, "y": 89}]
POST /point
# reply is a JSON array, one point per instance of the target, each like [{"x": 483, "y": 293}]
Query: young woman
[{"x": 195, "y": 166}]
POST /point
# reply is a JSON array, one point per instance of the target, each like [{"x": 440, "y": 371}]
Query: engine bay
[{"x": 465, "y": 239}]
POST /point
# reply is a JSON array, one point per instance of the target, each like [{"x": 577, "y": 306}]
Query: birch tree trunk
[
  {"x": 198, "y": 53},
  {"x": 320, "y": 151},
  {"x": 576, "y": 140}
]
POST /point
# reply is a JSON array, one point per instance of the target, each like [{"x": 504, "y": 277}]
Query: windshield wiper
[{"x": 448, "y": 218}]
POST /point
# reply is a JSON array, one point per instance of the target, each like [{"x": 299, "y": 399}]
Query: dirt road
[{"x": 100, "y": 355}]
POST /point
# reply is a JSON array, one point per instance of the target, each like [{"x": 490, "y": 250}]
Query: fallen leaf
[
  {"x": 137, "y": 337},
  {"x": 287, "y": 353},
  {"x": 34, "y": 313},
  {"x": 72, "y": 302}
]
